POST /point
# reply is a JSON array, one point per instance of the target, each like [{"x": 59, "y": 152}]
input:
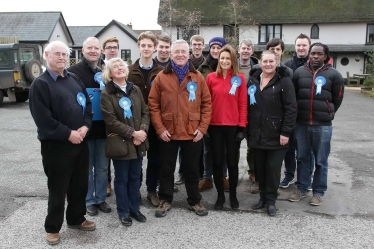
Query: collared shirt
[
  {"x": 146, "y": 68},
  {"x": 245, "y": 65},
  {"x": 55, "y": 75}
]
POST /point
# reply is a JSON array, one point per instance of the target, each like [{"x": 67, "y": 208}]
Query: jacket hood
[{"x": 112, "y": 88}]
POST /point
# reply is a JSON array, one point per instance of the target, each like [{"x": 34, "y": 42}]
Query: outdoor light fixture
[{"x": 357, "y": 58}]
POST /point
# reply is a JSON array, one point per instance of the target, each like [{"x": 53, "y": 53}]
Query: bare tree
[
  {"x": 168, "y": 12},
  {"x": 235, "y": 13},
  {"x": 190, "y": 21}
]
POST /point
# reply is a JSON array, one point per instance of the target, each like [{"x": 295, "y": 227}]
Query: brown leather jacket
[
  {"x": 170, "y": 108},
  {"x": 135, "y": 76}
]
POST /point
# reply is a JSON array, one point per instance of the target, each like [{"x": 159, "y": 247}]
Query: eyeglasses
[
  {"x": 111, "y": 48},
  {"x": 58, "y": 54},
  {"x": 118, "y": 66},
  {"x": 180, "y": 52}
]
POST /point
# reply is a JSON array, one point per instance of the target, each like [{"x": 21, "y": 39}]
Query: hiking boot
[
  {"x": 226, "y": 186},
  {"x": 205, "y": 184},
  {"x": 175, "y": 189},
  {"x": 53, "y": 238},
  {"x": 254, "y": 188},
  {"x": 153, "y": 198},
  {"x": 316, "y": 200},
  {"x": 109, "y": 190},
  {"x": 162, "y": 209},
  {"x": 286, "y": 182},
  {"x": 297, "y": 196},
  {"x": 85, "y": 226},
  {"x": 180, "y": 180},
  {"x": 198, "y": 209}
]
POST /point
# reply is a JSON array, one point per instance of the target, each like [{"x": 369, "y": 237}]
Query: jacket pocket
[
  {"x": 274, "y": 126},
  {"x": 116, "y": 146},
  {"x": 193, "y": 122},
  {"x": 167, "y": 120}
]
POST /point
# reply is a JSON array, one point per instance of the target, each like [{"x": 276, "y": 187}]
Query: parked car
[{"x": 20, "y": 64}]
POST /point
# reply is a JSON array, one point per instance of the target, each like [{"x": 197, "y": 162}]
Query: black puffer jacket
[
  {"x": 318, "y": 109},
  {"x": 274, "y": 112},
  {"x": 295, "y": 62}
]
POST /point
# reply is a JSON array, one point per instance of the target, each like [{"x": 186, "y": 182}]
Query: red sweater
[{"x": 227, "y": 109}]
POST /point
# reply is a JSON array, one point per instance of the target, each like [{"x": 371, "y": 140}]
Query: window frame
[
  {"x": 123, "y": 54},
  {"x": 268, "y": 38},
  {"x": 195, "y": 31},
  {"x": 311, "y": 32},
  {"x": 367, "y": 34}
]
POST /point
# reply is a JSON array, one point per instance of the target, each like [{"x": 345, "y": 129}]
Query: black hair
[
  {"x": 275, "y": 42},
  {"x": 326, "y": 50}
]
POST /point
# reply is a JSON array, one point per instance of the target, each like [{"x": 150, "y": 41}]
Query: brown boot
[
  {"x": 205, "y": 184},
  {"x": 226, "y": 186},
  {"x": 53, "y": 238},
  {"x": 109, "y": 189}
]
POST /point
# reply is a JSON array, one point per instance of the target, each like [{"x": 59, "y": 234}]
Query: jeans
[
  {"x": 97, "y": 172},
  {"x": 126, "y": 185},
  {"x": 208, "y": 160},
  {"x": 318, "y": 140},
  {"x": 66, "y": 167},
  {"x": 190, "y": 152},
  {"x": 290, "y": 160}
]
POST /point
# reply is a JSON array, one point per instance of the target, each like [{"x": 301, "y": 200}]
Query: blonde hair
[
  {"x": 106, "y": 71},
  {"x": 233, "y": 57}
]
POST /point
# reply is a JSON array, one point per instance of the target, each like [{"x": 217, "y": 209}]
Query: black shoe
[
  {"x": 272, "y": 211},
  {"x": 104, "y": 207},
  {"x": 126, "y": 220},
  {"x": 219, "y": 203},
  {"x": 259, "y": 205},
  {"x": 138, "y": 216},
  {"x": 92, "y": 210},
  {"x": 234, "y": 203}
]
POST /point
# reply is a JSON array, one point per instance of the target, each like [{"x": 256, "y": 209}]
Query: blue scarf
[{"x": 181, "y": 72}]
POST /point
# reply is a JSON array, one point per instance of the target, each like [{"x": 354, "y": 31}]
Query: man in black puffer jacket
[{"x": 319, "y": 93}]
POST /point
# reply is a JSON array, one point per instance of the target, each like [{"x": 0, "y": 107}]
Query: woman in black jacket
[{"x": 272, "y": 116}]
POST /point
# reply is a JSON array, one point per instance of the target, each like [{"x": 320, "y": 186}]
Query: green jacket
[{"x": 121, "y": 127}]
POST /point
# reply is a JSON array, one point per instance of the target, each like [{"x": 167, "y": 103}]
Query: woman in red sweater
[{"x": 228, "y": 122}]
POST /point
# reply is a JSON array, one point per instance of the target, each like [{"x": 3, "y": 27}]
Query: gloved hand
[{"x": 239, "y": 136}]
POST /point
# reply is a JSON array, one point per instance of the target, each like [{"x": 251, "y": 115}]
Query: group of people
[{"x": 102, "y": 111}]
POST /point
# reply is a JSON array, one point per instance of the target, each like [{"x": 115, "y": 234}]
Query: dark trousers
[
  {"x": 223, "y": 139},
  {"x": 190, "y": 152},
  {"x": 109, "y": 173},
  {"x": 201, "y": 164},
  {"x": 268, "y": 164},
  {"x": 153, "y": 166},
  {"x": 66, "y": 167}
]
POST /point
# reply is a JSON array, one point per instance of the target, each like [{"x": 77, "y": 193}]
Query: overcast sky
[{"x": 141, "y": 13}]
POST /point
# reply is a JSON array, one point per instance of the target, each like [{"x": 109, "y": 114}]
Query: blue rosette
[
  {"x": 236, "y": 81},
  {"x": 319, "y": 82},
  {"x": 81, "y": 99},
  {"x": 125, "y": 104},
  {"x": 191, "y": 88},
  {"x": 251, "y": 92},
  {"x": 99, "y": 79}
]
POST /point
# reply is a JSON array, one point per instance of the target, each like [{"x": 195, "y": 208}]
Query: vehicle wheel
[
  {"x": 32, "y": 69},
  {"x": 1, "y": 97},
  {"x": 22, "y": 96}
]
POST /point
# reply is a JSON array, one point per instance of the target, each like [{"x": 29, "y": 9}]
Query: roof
[
  {"x": 31, "y": 26},
  {"x": 125, "y": 28},
  {"x": 80, "y": 33},
  {"x": 155, "y": 32},
  {"x": 280, "y": 11}
]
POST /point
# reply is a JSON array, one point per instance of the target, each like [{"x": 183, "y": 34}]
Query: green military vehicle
[{"x": 20, "y": 64}]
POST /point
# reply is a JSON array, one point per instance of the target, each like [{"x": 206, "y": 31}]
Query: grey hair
[
  {"x": 108, "y": 65},
  {"x": 247, "y": 42},
  {"x": 49, "y": 47},
  {"x": 180, "y": 42}
]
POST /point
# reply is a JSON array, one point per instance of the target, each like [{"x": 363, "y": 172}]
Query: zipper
[{"x": 340, "y": 92}]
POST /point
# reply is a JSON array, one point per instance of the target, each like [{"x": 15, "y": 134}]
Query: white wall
[
  {"x": 125, "y": 42},
  {"x": 59, "y": 34},
  {"x": 249, "y": 32},
  {"x": 353, "y": 67},
  {"x": 337, "y": 33}
]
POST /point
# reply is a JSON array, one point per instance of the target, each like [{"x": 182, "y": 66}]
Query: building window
[
  {"x": 125, "y": 54},
  {"x": 314, "y": 32},
  {"x": 344, "y": 61},
  {"x": 370, "y": 34},
  {"x": 268, "y": 32},
  {"x": 186, "y": 33},
  {"x": 230, "y": 35}
]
